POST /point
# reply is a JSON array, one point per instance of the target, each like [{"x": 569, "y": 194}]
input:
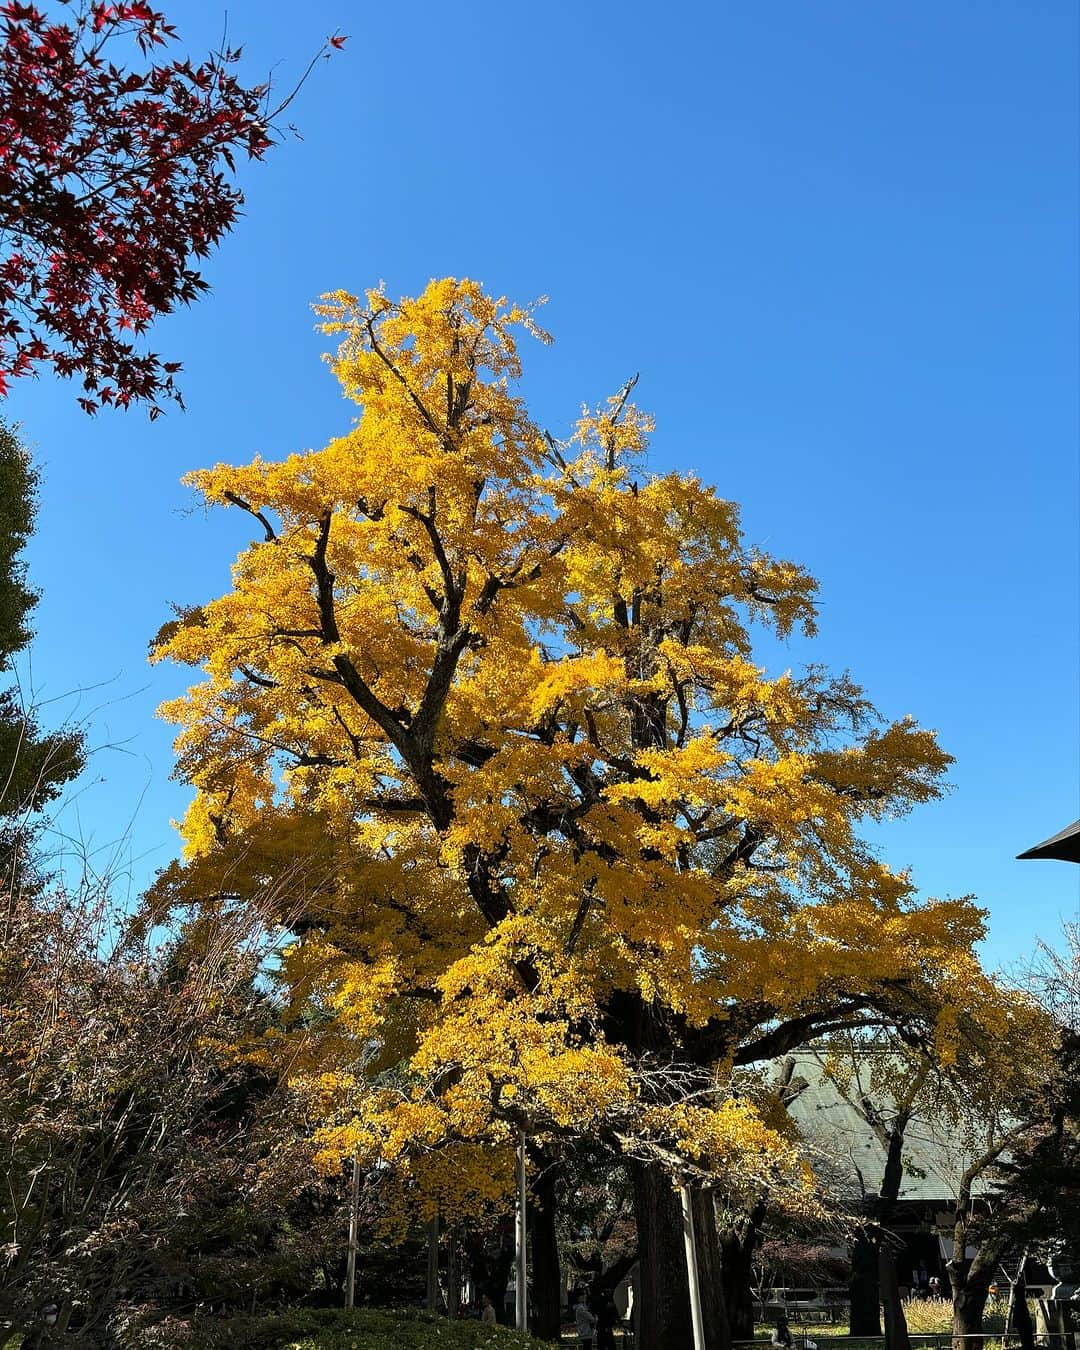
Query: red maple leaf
[{"x": 113, "y": 182}]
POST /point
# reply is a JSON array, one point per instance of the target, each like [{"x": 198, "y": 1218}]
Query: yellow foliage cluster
[{"x": 480, "y": 710}]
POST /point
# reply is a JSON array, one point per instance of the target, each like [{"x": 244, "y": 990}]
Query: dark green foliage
[
  {"x": 370, "y": 1328},
  {"x": 34, "y": 766},
  {"x": 18, "y": 491},
  {"x": 1042, "y": 1176}
]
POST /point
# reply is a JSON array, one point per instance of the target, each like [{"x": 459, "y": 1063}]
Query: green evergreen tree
[{"x": 34, "y": 765}]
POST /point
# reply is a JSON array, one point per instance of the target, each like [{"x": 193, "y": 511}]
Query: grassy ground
[
  {"x": 375, "y": 1329},
  {"x": 925, "y": 1317},
  {"x": 364, "y": 1329}
]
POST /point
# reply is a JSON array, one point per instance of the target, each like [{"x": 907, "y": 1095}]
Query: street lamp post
[
  {"x": 522, "y": 1320},
  {"x": 354, "y": 1225},
  {"x": 692, "y": 1267}
]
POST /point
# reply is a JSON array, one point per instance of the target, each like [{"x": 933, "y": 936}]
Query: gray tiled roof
[{"x": 934, "y": 1161}]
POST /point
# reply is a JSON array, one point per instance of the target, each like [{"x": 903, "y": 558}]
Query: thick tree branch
[{"x": 270, "y": 534}]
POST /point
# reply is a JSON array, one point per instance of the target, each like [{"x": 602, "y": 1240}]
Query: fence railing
[{"x": 944, "y": 1340}]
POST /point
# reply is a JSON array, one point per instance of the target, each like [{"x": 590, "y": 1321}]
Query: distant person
[
  {"x": 584, "y": 1322},
  {"x": 935, "y": 1286},
  {"x": 487, "y": 1311},
  {"x": 781, "y": 1335},
  {"x": 607, "y": 1319}
]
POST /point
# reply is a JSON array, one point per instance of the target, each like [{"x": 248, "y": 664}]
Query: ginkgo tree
[{"x": 559, "y": 830}]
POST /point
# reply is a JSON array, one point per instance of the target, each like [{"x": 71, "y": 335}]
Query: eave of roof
[{"x": 1065, "y": 845}]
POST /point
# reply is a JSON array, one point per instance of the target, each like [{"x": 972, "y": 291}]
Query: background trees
[
  {"x": 34, "y": 765},
  {"x": 145, "y": 1172}
]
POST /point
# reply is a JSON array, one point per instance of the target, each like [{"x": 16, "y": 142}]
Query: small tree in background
[
  {"x": 34, "y": 765},
  {"x": 152, "y": 1167}
]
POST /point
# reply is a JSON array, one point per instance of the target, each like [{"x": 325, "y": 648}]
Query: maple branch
[{"x": 322, "y": 54}]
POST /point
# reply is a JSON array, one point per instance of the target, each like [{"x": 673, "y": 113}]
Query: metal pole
[
  {"x": 433, "y": 1265},
  {"x": 453, "y": 1275},
  {"x": 354, "y": 1224},
  {"x": 692, "y": 1268},
  {"x": 522, "y": 1243}
]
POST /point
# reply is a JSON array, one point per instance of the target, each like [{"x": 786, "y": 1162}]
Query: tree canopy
[
  {"x": 488, "y": 700},
  {"x": 512, "y": 682}
]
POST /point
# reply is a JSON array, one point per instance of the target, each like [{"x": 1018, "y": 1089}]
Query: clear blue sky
[{"x": 839, "y": 242}]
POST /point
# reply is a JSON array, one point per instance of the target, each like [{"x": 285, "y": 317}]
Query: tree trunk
[
  {"x": 490, "y": 1271},
  {"x": 432, "y": 1292},
  {"x": 546, "y": 1320},
  {"x": 453, "y": 1276},
  {"x": 710, "y": 1272},
  {"x": 663, "y": 1298},
  {"x": 1019, "y": 1318},
  {"x": 661, "y": 1294},
  {"x": 498, "y": 1277},
  {"x": 970, "y": 1282},
  {"x": 865, "y": 1295},
  {"x": 738, "y": 1242},
  {"x": 969, "y": 1304},
  {"x": 736, "y": 1271},
  {"x": 896, "y": 1332}
]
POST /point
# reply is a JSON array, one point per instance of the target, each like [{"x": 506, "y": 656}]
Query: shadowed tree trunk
[
  {"x": 490, "y": 1270},
  {"x": 865, "y": 1296},
  {"x": 662, "y": 1298},
  {"x": 453, "y": 1276},
  {"x": 546, "y": 1319},
  {"x": 874, "y": 1277},
  {"x": 969, "y": 1304},
  {"x": 1018, "y": 1320},
  {"x": 970, "y": 1282},
  {"x": 892, "y": 1307},
  {"x": 662, "y": 1293},
  {"x": 970, "y": 1279},
  {"x": 432, "y": 1292},
  {"x": 896, "y": 1332},
  {"x": 710, "y": 1272},
  {"x": 738, "y": 1242}
]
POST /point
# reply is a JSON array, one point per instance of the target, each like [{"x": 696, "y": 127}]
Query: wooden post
[
  {"x": 433, "y": 1265},
  {"x": 522, "y": 1320},
  {"x": 354, "y": 1225},
  {"x": 692, "y": 1268}
]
